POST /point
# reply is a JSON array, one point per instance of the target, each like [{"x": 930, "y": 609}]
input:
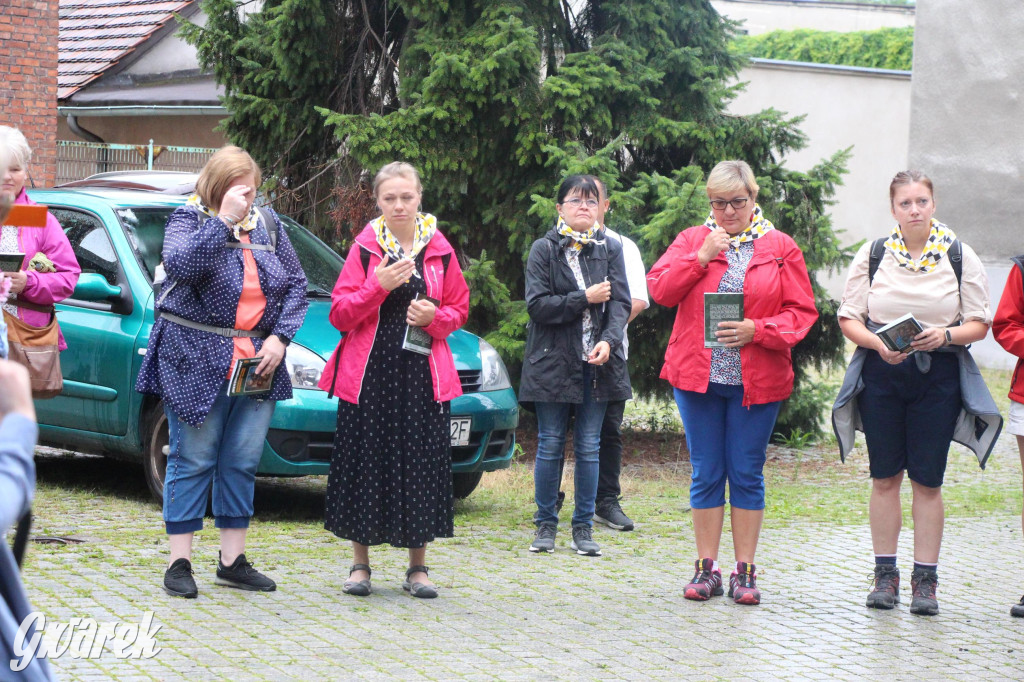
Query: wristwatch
[{"x": 949, "y": 338}]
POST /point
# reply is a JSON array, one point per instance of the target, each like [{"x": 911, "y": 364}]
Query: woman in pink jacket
[
  {"x": 399, "y": 296},
  {"x": 54, "y": 270},
  {"x": 730, "y": 378}
]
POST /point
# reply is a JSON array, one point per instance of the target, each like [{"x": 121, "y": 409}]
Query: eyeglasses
[
  {"x": 576, "y": 202},
  {"x": 921, "y": 204},
  {"x": 720, "y": 204}
]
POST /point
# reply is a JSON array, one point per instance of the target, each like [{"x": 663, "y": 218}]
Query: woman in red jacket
[
  {"x": 391, "y": 475},
  {"x": 729, "y": 389},
  {"x": 1008, "y": 329}
]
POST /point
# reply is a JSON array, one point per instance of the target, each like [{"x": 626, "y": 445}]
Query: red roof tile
[{"x": 97, "y": 34}]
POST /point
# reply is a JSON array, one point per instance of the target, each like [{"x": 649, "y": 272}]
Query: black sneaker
[
  {"x": 178, "y": 580},
  {"x": 886, "y": 591},
  {"x": 544, "y": 539},
  {"x": 1017, "y": 610},
  {"x": 583, "y": 541},
  {"x": 242, "y": 575},
  {"x": 923, "y": 583},
  {"x": 610, "y": 514}
]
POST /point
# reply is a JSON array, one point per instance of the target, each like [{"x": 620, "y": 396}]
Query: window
[{"x": 90, "y": 241}]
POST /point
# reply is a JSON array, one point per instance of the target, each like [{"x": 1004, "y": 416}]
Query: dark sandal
[
  {"x": 358, "y": 588},
  {"x": 419, "y": 590}
]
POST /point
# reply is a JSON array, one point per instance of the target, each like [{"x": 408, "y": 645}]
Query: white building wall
[
  {"x": 762, "y": 16},
  {"x": 866, "y": 109}
]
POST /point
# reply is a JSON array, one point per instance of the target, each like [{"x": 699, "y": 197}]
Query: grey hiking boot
[
  {"x": 923, "y": 583},
  {"x": 610, "y": 514},
  {"x": 885, "y": 594},
  {"x": 583, "y": 541},
  {"x": 544, "y": 539}
]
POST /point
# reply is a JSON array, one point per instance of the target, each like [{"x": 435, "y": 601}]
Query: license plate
[{"x": 460, "y": 431}]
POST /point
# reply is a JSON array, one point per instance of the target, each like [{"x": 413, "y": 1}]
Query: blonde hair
[
  {"x": 730, "y": 176},
  {"x": 16, "y": 147},
  {"x": 397, "y": 169},
  {"x": 226, "y": 165}
]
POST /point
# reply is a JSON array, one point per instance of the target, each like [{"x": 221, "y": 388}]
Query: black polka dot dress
[{"x": 391, "y": 476}]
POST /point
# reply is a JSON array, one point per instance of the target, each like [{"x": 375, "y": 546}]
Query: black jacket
[{"x": 553, "y": 361}]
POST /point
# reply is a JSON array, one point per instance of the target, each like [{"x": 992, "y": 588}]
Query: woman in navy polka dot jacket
[{"x": 230, "y": 293}]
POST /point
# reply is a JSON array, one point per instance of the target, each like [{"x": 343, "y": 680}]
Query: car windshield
[{"x": 144, "y": 226}]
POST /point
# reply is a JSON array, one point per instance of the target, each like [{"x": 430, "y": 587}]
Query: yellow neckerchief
[
  {"x": 759, "y": 226},
  {"x": 426, "y": 226},
  {"x": 939, "y": 239},
  {"x": 248, "y": 224},
  {"x": 579, "y": 239}
]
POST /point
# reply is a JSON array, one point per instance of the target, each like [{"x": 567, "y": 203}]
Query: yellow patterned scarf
[
  {"x": 426, "y": 226},
  {"x": 579, "y": 239},
  {"x": 248, "y": 224},
  {"x": 759, "y": 226},
  {"x": 939, "y": 239}
]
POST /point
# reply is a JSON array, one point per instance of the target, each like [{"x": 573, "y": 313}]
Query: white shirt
[{"x": 636, "y": 277}]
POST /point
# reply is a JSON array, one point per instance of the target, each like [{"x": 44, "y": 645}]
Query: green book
[{"x": 720, "y": 308}]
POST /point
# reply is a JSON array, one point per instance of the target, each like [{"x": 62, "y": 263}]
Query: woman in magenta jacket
[
  {"x": 53, "y": 280},
  {"x": 390, "y": 479},
  {"x": 729, "y": 396}
]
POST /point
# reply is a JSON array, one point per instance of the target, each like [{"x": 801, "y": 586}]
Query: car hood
[{"x": 318, "y": 335}]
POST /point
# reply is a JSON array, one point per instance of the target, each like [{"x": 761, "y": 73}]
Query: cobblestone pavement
[{"x": 507, "y": 614}]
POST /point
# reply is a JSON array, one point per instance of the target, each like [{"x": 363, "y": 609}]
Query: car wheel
[
  {"x": 157, "y": 447},
  {"x": 464, "y": 484}
]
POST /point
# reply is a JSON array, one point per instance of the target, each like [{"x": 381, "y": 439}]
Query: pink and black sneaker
[
  {"x": 743, "y": 584},
  {"x": 706, "y": 583}
]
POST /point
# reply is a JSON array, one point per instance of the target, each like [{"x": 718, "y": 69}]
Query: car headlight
[
  {"x": 304, "y": 366},
  {"x": 494, "y": 376}
]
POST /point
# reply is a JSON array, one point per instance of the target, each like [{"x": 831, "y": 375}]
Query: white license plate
[{"x": 460, "y": 431}]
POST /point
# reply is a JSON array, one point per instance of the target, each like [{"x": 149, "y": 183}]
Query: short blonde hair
[
  {"x": 226, "y": 165},
  {"x": 730, "y": 176},
  {"x": 16, "y": 147},
  {"x": 397, "y": 169}
]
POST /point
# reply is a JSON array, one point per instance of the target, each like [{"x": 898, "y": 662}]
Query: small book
[
  {"x": 898, "y": 334},
  {"x": 416, "y": 338},
  {"x": 720, "y": 308},
  {"x": 245, "y": 381},
  {"x": 11, "y": 262},
  {"x": 24, "y": 215}
]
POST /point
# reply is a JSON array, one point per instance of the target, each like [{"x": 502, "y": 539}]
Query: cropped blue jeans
[{"x": 223, "y": 454}]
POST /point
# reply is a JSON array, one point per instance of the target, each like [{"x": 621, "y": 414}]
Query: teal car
[{"x": 117, "y": 236}]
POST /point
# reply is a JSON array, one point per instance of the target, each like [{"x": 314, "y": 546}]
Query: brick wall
[{"x": 28, "y": 84}]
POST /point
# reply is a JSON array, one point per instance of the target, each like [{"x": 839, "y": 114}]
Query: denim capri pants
[
  {"x": 223, "y": 453},
  {"x": 727, "y": 442}
]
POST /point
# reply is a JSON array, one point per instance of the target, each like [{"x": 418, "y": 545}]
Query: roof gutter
[
  {"x": 82, "y": 132},
  {"x": 143, "y": 110}
]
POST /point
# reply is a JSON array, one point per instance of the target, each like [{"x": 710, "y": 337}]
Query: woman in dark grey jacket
[{"x": 578, "y": 301}]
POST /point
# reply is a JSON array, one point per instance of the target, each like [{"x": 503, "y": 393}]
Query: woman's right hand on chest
[
  {"x": 599, "y": 293},
  {"x": 716, "y": 242},
  {"x": 393, "y": 276}
]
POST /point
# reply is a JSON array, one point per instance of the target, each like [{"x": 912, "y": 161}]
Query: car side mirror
[{"x": 94, "y": 287}]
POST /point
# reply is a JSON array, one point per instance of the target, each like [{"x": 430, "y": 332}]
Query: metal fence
[{"x": 77, "y": 160}]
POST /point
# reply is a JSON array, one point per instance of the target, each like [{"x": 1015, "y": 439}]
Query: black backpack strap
[
  {"x": 875, "y": 259},
  {"x": 270, "y": 224},
  {"x": 445, "y": 260},
  {"x": 364, "y": 256},
  {"x": 956, "y": 259}
]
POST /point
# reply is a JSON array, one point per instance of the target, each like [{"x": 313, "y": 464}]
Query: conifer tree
[{"x": 495, "y": 102}]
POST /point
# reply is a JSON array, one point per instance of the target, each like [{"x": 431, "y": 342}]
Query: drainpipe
[{"x": 102, "y": 163}]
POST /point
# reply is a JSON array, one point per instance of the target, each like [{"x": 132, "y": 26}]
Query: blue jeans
[
  {"x": 727, "y": 441},
  {"x": 552, "y": 420},
  {"x": 224, "y": 452}
]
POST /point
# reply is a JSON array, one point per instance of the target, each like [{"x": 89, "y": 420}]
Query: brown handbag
[{"x": 36, "y": 349}]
